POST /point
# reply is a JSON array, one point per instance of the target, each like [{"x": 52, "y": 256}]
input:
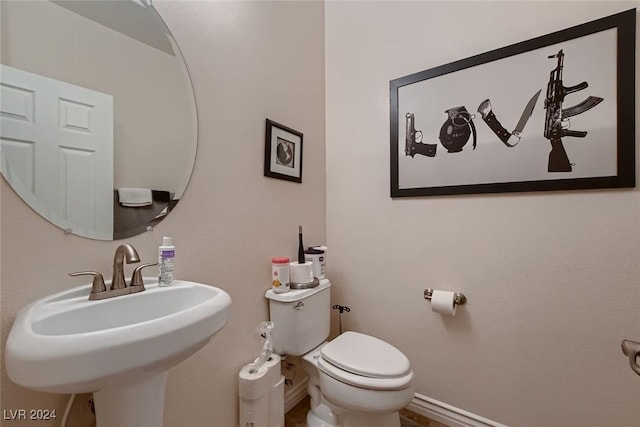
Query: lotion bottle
[{"x": 166, "y": 258}]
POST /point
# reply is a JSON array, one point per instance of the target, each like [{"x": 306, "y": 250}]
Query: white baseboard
[
  {"x": 295, "y": 394},
  {"x": 447, "y": 414},
  {"x": 421, "y": 404}
]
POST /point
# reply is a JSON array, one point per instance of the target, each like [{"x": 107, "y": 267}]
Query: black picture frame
[
  {"x": 283, "y": 152},
  {"x": 606, "y": 153}
]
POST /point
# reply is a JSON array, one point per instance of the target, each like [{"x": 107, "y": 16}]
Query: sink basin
[
  {"x": 153, "y": 305},
  {"x": 65, "y": 343}
]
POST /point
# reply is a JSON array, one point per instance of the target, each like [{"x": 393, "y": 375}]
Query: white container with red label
[{"x": 280, "y": 275}]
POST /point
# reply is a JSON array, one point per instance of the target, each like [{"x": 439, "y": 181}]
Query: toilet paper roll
[
  {"x": 253, "y": 383},
  {"x": 254, "y": 413},
  {"x": 443, "y": 302},
  {"x": 273, "y": 370},
  {"x": 276, "y": 404},
  {"x": 301, "y": 273}
]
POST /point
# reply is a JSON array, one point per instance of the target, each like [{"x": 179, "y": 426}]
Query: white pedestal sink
[{"x": 119, "y": 348}]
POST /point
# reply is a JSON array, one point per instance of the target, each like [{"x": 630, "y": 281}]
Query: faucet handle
[
  {"x": 137, "y": 284},
  {"x": 98, "y": 282}
]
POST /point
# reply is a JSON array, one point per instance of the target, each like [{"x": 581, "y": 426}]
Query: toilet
[{"x": 356, "y": 380}]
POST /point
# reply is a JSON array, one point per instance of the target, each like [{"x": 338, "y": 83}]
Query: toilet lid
[{"x": 366, "y": 356}]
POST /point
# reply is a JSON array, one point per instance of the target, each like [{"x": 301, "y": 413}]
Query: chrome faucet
[{"x": 124, "y": 253}]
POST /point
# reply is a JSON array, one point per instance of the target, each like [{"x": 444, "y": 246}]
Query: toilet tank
[{"x": 300, "y": 318}]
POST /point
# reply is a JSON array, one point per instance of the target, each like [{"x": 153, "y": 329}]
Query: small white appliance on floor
[{"x": 355, "y": 380}]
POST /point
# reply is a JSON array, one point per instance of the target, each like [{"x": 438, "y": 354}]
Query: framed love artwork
[{"x": 556, "y": 112}]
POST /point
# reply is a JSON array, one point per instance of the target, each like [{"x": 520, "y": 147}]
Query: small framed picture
[{"x": 283, "y": 152}]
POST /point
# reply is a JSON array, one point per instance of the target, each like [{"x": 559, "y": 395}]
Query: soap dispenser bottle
[{"x": 166, "y": 258}]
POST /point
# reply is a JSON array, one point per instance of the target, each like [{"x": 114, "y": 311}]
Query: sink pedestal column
[{"x": 140, "y": 404}]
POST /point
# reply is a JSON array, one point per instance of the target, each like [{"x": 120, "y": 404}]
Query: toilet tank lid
[
  {"x": 366, "y": 355},
  {"x": 297, "y": 294}
]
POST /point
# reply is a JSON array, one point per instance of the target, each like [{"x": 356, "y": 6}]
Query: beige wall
[
  {"x": 248, "y": 61},
  {"x": 552, "y": 278}
]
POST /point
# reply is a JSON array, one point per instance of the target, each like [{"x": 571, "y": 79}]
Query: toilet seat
[
  {"x": 364, "y": 361},
  {"x": 360, "y": 381}
]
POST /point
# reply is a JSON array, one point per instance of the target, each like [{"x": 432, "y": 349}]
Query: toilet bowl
[
  {"x": 355, "y": 380},
  {"x": 362, "y": 373},
  {"x": 362, "y": 380}
]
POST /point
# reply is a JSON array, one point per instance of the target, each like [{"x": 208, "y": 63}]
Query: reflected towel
[{"x": 134, "y": 197}]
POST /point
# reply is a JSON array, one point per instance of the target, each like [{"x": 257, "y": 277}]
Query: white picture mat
[
  {"x": 294, "y": 171},
  {"x": 509, "y": 83}
]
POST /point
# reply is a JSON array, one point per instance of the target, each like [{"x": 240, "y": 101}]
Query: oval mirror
[{"x": 98, "y": 119}]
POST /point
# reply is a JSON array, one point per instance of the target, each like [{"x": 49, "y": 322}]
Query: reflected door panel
[{"x": 57, "y": 145}]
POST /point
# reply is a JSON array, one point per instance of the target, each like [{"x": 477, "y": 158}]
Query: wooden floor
[{"x": 297, "y": 417}]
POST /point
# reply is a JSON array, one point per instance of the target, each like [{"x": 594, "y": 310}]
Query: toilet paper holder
[{"x": 459, "y": 299}]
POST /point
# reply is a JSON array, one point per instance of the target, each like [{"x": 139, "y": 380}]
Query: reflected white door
[{"x": 57, "y": 149}]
